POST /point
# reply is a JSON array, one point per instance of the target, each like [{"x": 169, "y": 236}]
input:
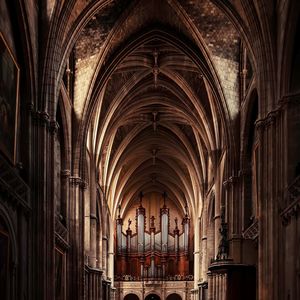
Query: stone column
[
  {"x": 76, "y": 251},
  {"x": 204, "y": 263},
  {"x": 87, "y": 226},
  {"x": 65, "y": 186},
  {"x": 93, "y": 215},
  {"x": 269, "y": 179},
  {"x": 104, "y": 255},
  {"x": 111, "y": 254},
  {"x": 196, "y": 254},
  {"x": 43, "y": 202},
  {"x": 210, "y": 231},
  {"x": 217, "y": 220},
  {"x": 234, "y": 217}
]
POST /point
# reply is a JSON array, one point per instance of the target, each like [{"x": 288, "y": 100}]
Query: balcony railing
[
  {"x": 178, "y": 277},
  {"x": 292, "y": 197},
  {"x": 93, "y": 284}
]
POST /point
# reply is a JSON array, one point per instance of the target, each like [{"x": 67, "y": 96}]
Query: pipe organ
[{"x": 156, "y": 253}]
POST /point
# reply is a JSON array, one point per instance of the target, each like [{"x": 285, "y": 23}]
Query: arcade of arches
[{"x": 149, "y": 149}]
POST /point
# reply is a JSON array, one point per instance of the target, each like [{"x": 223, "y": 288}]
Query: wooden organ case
[{"x": 154, "y": 254}]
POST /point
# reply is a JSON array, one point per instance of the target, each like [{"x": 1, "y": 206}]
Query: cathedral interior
[{"x": 149, "y": 149}]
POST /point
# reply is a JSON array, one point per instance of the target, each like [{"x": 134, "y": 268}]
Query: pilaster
[
  {"x": 234, "y": 215},
  {"x": 269, "y": 181},
  {"x": 76, "y": 252},
  {"x": 44, "y": 221}
]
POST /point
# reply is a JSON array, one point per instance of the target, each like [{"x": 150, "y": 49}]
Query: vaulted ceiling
[{"x": 157, "y": 90}]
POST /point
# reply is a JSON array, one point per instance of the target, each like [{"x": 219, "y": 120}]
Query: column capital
[
  {"x": 77, "y": 181},
  {"x": 268, "y": 120},
  {"x": 53, "y": 127},
  {"x": 40, "y": 118},
  {"x": 65, "y": 173}
]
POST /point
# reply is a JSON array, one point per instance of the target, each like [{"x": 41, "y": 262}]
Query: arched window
[
  {"x": 174, "y": 297},
  {"x": 152, "y": 297},
  {"x": 131, "y": 297}
]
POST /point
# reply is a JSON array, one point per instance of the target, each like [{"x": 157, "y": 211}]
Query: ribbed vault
[
  {"x": 154, "y": 97},
  {"x": 155, "y": 122}
]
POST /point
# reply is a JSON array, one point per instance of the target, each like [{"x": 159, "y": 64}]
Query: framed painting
[{"x": 9, "y": 100}]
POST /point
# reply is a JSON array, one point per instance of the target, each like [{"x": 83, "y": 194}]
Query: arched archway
[
  {"x": 131, "y": 297},
  {"x": 152, "y": 297},
  {"x": 174, "y": 296},
  {"x": 8, "y": 256},
  {"x": 5, "y": 260}
]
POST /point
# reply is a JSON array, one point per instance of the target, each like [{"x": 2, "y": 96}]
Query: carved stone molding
[
  {"x": 292, "y": 199},
  {"x": 53, "y": 127},
  {"x": 93, "y": 217},
  {"x": 77, "y": 181},
  {"x": 289, "y": 99},
  {"x": 89, "y": 269},
  {"x": 291, "y": 211},
  {"x": 252, "y": 232},
  {"x": 293, "y": 191},
  {"x": 59, "y": 241},
  {"x": 30, "y": 107},
  {"x": 274, "y": 114},
  {"x": 203, "y": 285},
  {"x": 268, "y": 120},
  {"x": 15, "y": 190},
  {"x": 41, "y": 118},
  {"x": 61, "y": 229},
  {"x": 65, "y": 173}
]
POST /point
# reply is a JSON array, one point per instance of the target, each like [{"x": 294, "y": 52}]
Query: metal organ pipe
[
  {"x": 152, "y": 247},
  {"x": 140, "y": 213},
  {"x": 186, "y": 229},
  {"x": 128, "y": 238},
  {"x": 164, "y": 215},
  {"x": 119, "y": 231},
  {"x": 176, "y": 236},
  {"x": 151, "y": 254}
]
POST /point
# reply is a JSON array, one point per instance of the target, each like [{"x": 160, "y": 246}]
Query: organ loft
[{"x": 154, "y": 254}]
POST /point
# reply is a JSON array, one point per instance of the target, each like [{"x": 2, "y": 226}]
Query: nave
[{"x": 149, "y": 149}]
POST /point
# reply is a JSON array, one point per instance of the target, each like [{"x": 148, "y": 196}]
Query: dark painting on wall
[
  {"x": 9, "y": 90},
  {"x": 4, "y": 262}
]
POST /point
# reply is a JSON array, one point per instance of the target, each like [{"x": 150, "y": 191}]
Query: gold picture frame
[{"x": 9, "y": 100}]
